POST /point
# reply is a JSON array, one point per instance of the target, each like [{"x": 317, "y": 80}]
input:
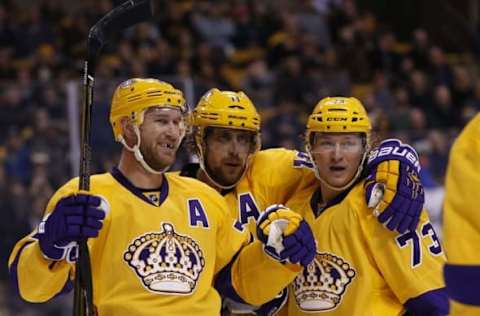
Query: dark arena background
[{"x": 413, "y": 64}]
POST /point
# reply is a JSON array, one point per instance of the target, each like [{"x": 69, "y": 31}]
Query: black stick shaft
[
  {"x": 129, "y": 13},
  {"x": 83, "y": 289}
]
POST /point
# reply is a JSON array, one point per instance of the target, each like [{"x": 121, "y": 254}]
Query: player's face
[
  {"x": 337, "y": 156},
  {"x": 161, "y": 133},
  {"x": 226, "y": 153}
]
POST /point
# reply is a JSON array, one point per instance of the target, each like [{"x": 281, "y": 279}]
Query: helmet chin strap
[
  {"x": 138, "y": 154},
  {"x": 332, "y": 187}
]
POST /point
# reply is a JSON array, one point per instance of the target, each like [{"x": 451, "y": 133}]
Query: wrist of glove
[
  {"x": 74, "y": 218},
  {"x": 393, "y": 186},
  {"x": 286, "y": 236}
]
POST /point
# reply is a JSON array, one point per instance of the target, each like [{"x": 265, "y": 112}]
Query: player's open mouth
[
  {"x": 167, "y": 147},
  {"x": 337, "y": 168}
]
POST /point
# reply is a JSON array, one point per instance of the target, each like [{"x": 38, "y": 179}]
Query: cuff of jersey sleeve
[
  {"x": 224, "y": 285},
  {"x": 431, "y": 303},
  {"x": 463, "y": 283},
  {"x": 257, "y": 277}
]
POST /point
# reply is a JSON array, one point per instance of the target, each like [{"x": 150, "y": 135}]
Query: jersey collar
[
  {"x": 318, "y": 207},
  {"x": 120, "y": 177}
]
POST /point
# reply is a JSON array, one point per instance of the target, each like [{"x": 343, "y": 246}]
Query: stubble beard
[
  {"x": 154, "y": 159},
  {"x": 221, "y": 177}
]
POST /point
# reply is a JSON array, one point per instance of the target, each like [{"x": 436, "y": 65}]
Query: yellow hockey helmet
[
  {"x": 339, "y": 115},
  {"x": 226, "y": 109},
  {"x": 134, "y": 96}
]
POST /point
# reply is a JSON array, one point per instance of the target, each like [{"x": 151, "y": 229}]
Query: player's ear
[{"x": 128, "y": 130}]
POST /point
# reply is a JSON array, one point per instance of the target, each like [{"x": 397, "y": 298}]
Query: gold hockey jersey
[
  {"x": 155, "y": 257},
  {"x": 361, "y": 268},
  {"x": 461, "y": 222},
  {"x": 270, "y": 179}
]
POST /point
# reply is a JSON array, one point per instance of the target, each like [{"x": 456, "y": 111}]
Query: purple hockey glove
[
  {"x": 286, "y": 236},
  {"x": 393, "y": 186},
  {"x": 75, "y": 218}
]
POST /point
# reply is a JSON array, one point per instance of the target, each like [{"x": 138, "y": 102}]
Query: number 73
[{"x": 413, "y": 238}]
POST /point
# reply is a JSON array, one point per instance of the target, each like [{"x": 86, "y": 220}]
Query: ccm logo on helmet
[
  {"x": 399, "y": 151},
  {"x": 337, "y": 119}
]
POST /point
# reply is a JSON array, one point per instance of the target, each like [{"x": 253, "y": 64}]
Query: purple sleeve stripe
[
  {"x": 432, "y": 303},
  {"x": 463, "y": 283},
  {"x": 223, "y": 283},
  {"x": 13, "y": 272},
  {"x": 66, "y": 288}
]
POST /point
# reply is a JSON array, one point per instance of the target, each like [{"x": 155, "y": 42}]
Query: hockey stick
[{"x": 121, "y": 17}]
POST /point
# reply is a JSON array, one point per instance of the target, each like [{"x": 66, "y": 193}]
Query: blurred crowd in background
[{"x": 286, "y": 55}]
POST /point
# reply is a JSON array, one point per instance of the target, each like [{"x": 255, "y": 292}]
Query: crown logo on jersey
[
  {"x": 165, "y": 261},
  {"x": 321, "y": 285}
]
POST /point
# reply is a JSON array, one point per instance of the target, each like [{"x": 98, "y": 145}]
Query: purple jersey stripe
[
  {"x": 13, "y": 272},
  {"x": 463, "y": 283},
  {"x": 223, "y": 283},
  {"x": 432, "y": 303}
]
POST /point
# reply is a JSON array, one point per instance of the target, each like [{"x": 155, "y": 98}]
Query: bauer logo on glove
[{"x": 393, "y": 188}]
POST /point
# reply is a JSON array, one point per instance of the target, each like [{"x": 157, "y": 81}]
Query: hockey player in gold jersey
[
  {"x": 157, "y": 241},
  {"x": 360, "y": 267},
  {"x": 226, "y": 130},
  {"x": 461, "y": 222},
  {"x": 226, "y": 139}
]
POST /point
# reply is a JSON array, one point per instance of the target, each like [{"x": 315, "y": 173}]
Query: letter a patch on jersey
[
  {"x": 248, "y": 208},
  {"x": 197, "y": 213}
]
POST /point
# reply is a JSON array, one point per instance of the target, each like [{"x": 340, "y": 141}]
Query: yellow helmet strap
[{"x": 137, "y": 151}]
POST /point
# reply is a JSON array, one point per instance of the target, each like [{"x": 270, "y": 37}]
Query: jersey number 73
[{"x": 415, "y": 238}]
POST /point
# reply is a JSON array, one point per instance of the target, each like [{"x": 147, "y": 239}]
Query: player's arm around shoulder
[
  {"x": 411, "y": 262},
  {"x": 263, "y": 268},
  {"x": 276, "y": 174},
  {"x": 393, "y": 188},
  {"x": 41, "y": 264},
  {"x": 428, "y": 295}
]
